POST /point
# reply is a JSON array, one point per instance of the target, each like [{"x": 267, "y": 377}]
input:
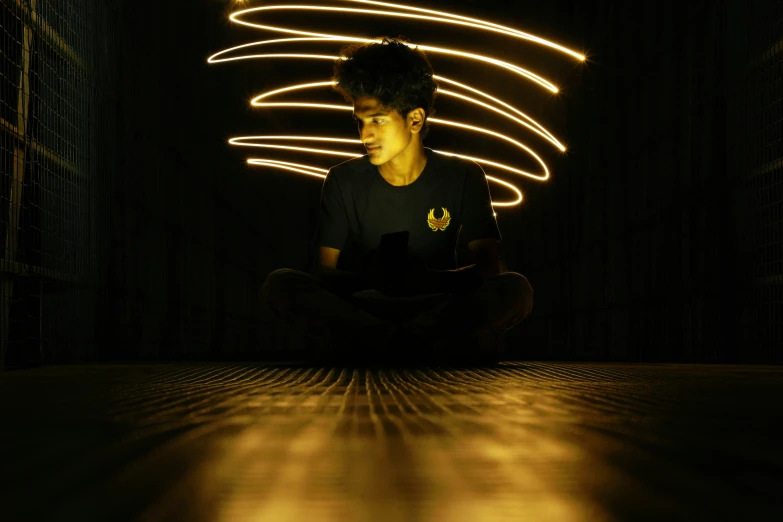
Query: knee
[
  {"x": 519, "y": 293},
  {"x": 279, "y": 285},
  {"x": 278, "y": 278}
]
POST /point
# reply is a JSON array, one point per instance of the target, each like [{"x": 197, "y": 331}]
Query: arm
[
  {"x": 333, "y": 230},
  {"x": 488, "y": 263},
  {"x": 487, "y": 256},
  {"x": 340, "y": 280},
  {"x": 480, "y": 229}
]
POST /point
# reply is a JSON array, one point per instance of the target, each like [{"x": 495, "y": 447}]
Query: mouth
[{"x": 370, "y": 150}]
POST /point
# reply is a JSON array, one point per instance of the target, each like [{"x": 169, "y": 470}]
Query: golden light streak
[
  {"x": 488, "y": 102},
  {"x": 444, "y": 18},
  {"x": 535, "y": 127},
  {"x": 486, "y": 59},
  {"x": 256, "y": 103},
  {"x": 484, "y": 23},
  {"x": 246, "y": 141},
  {"x": 239, "y": 141},
  {"x": 294, "y": 167},
  {"x": 450, "y": 19},
  {"x": 503, "y": 137}
]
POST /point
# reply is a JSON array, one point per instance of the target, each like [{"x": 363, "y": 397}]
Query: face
[{"x": 385, "y": 133}]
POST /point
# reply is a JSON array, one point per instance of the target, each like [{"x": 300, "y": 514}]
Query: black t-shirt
[{"x": 450, "y": 197}]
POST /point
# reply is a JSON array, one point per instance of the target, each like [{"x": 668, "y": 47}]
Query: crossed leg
[{"x": 304, "y": 303}]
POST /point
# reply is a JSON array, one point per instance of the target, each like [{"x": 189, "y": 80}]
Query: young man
[{"x": 422, "y": 304}]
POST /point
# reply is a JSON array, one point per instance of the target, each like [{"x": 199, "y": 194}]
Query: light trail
[
  {"x": 469, "y": 94},
  {"x": 533, "y": 125}
]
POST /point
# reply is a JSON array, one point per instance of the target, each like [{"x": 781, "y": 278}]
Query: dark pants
[{"x": 368, "y": 320}]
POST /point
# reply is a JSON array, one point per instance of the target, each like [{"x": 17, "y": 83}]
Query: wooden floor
[{"x": 278, "y": 442}]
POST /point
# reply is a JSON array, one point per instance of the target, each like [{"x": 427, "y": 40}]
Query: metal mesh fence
[{"x": 53, "y": 194}]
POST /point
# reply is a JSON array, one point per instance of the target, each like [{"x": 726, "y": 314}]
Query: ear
[{"x": 416, "y": 119}]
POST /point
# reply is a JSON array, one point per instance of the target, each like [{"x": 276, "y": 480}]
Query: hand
[
  {"x": 408, "y": 280},
  {"x": 387, "y": 283}
]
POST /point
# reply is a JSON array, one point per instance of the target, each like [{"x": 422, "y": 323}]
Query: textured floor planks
[{"x": 518, "y": 441}]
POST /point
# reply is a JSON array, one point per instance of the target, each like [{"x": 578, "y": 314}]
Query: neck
[{"x": 405, "y": 167}]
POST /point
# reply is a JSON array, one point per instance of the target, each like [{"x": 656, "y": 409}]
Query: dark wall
[
  {"x": 648, "y": 244},
  {"x": 195, "y": 230},
  {"x": 640, "y": 247}
]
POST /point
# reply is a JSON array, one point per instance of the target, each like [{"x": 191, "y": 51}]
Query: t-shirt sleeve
[
  {"x": 332, "y": 216},
  {"x": 478, "y": 217}
]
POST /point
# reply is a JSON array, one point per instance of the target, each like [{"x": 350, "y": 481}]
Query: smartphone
[{"x": 393, "y": 252}]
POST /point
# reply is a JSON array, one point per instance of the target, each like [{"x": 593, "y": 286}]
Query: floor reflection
[{"x": 534, "y": 441}]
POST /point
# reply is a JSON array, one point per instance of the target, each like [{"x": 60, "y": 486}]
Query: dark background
[{"x": 658, "y": 237}]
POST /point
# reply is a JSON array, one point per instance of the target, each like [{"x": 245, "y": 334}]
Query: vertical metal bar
[{"x": 40, "y": 318}]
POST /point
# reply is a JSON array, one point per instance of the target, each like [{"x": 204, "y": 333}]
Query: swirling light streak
[
  {"x": 433, "y": 120},
  {"x": 527, "y": 122},
  {"x": 288, "y": 166},
  {"x": 478, "y": 57},
  {"x": 446, "y": 19},
  {"x": 535, "y": 127},
  {"x": 295, "y": 167},
  {"x": 507, "y": 30}
]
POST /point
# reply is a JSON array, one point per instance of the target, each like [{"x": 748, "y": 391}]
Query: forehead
[{"x": 367, "y": 106}]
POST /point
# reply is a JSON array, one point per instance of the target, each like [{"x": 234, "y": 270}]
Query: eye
[{"x": 377, "y": 122}]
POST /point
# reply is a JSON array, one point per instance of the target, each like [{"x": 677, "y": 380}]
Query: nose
[{"x": 365, "y": 135}]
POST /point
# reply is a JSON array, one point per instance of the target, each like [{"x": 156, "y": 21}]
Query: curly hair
[{"x": 399, "y": 76}]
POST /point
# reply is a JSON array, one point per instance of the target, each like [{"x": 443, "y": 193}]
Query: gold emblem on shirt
[{"x": 438, "y": 223}]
